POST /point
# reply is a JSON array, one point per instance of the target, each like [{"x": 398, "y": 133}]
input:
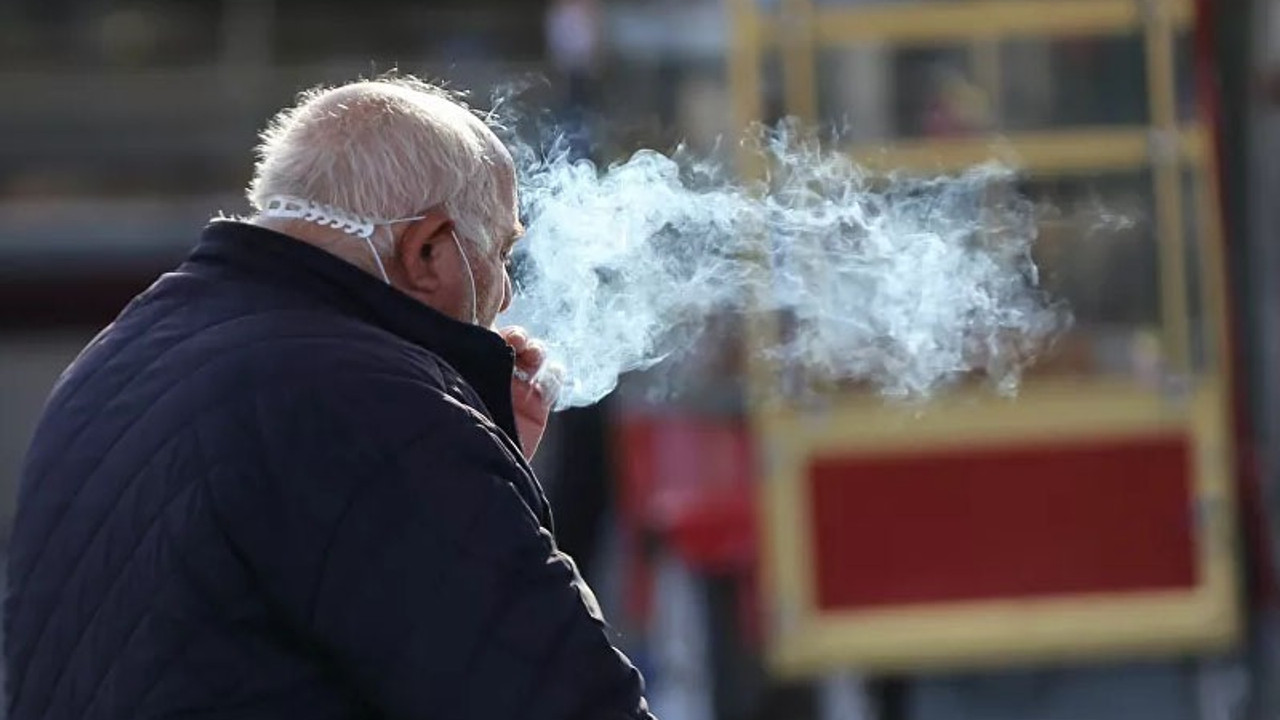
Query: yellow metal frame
[
  {"x": 1042, "y": 153},
  {"x": 801, "y": 638},
  {"x": 804, "y": 639},
  {"x": 957, "y": 22}
]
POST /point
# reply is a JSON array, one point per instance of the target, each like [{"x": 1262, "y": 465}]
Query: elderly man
[{"x": 291, "y": 480}]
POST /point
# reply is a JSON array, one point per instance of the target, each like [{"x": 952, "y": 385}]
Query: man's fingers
[
  {"x": 546, "y": 381},
  {"x": 515, "y": 336},
  {"x": 550, "y": 380},
  {"x": 532, "y": 355},
  {"x": 531, "y": 368}
]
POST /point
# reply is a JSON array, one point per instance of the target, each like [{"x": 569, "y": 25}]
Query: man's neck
[{"x": 351, "y": 249}]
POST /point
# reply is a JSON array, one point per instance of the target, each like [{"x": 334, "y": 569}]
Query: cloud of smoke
[{"x": 906, "y": 284}]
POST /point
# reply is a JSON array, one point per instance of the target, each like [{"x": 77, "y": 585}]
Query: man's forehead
[
  {"x": 510, "y": 190},
  {"x": 506, "y": 172}
]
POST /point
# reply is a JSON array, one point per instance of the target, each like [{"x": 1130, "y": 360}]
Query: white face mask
[{"x": 283, "y": 206}]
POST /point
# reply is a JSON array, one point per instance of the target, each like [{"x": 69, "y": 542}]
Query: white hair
[{"x": 387, "y": 149}]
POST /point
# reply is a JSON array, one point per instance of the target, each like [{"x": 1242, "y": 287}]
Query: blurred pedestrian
[
  {"x": 291, "y": 479},
  {"x": 573, "y": 30}
]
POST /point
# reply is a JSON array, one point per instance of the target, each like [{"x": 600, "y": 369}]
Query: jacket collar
[{"x": 479, "y": 355}]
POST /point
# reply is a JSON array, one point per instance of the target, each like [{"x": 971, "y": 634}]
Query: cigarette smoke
[{"x": 905, "y": 284}]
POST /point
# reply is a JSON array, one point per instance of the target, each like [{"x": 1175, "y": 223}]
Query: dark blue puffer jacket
[{"x": 277, "y": 488}]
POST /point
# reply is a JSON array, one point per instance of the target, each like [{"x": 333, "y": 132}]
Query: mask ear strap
[
  {"x": 285, "y": 206},
  {"x": 471, "y": 278},
  {"x": 377, "y": 257},
  {"x": 329, "y": 216},
  {"x": 386, "y": 224}
]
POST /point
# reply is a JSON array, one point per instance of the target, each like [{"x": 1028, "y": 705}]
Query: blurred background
[{"x": 1099, "y": 547}]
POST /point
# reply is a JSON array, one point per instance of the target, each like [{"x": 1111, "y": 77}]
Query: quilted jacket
[{"x": 277, "y": 488}]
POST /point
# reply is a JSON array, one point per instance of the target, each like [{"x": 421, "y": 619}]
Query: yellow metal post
[
  {"x": 746, "y": 55},
  {"x": 1167, "y": 178},
  {"x": 799, "y": 59},
  {"x": 745, "y": 86}
]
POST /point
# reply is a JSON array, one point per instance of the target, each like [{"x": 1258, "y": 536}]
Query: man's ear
[{"x": 418, "y": 251}]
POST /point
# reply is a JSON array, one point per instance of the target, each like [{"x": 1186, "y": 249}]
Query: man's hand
[{"x": 533, "y": 388}]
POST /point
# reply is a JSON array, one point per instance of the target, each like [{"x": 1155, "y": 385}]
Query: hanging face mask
[
  {"x": 471, "y": 278},
  {"x": 284, "y": 206}
]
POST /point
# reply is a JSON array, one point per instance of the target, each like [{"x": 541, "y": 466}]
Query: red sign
[{"x": 1112, "y": 515}]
